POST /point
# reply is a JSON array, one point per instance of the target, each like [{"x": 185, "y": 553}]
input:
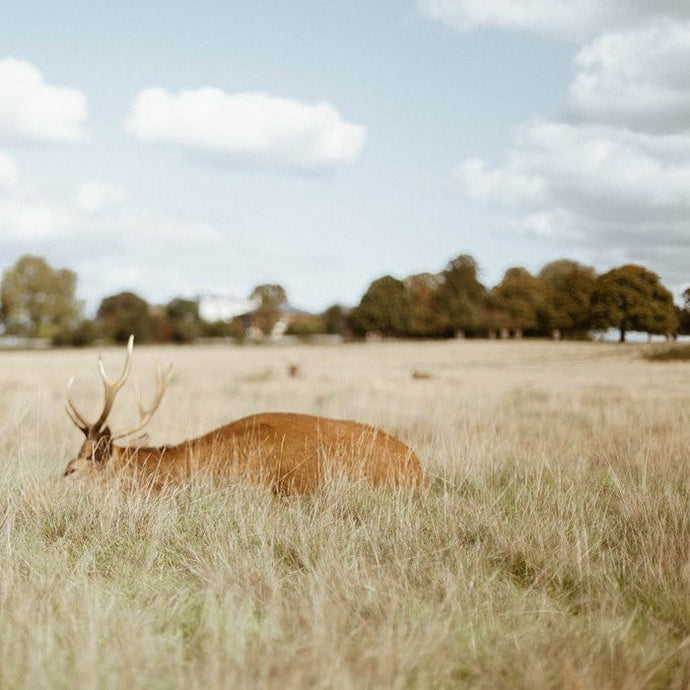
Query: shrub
[{"x": 673, "y": 353}]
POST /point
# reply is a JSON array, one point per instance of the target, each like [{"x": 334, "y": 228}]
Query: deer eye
[{"x": 71, "y": 470}]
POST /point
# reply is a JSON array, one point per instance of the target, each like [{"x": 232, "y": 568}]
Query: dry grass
[{"x": 553, "y": 549}]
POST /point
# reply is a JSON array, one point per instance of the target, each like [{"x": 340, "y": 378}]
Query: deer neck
[{"x": 136, "y": 458}]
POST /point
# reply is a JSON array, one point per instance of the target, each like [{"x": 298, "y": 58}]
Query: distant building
[
  {"x": 288, "y": 315},
  {"x": 223, "y": 308},
  {"x": 214, "y": 308}
]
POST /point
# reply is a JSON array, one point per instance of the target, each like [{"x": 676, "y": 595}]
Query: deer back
[{"x": 289, "y": 453}]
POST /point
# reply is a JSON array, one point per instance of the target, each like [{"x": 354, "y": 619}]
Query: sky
[{"x": 186, "y": 148}]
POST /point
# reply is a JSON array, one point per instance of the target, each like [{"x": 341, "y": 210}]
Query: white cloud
[
  {"x": 247, "y": 129},
  {"x": 93, "y": 197},
  {"x": 27, "y": 221},
  {"x": 126, "y": 248},
  {"x": 8, "y": 173},
  {"x": 96, "y": 215},
  {"x": 637, "y": 78},
  {"x": 34, "y": 110},
  {"x": 541, "y": 15},
  {"x": 602, "y": 188},
  {"x": 591, "y": 172},
  {"x": 574, "y": 18},
  {"x": 166, "y": 235},
  {"x": 513, "y": 185}
]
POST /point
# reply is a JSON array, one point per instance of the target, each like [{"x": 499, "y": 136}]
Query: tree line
[{"x": 566, "y": 299}]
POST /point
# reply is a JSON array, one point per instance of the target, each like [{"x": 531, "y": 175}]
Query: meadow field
[{"x": 552, "y": 549}]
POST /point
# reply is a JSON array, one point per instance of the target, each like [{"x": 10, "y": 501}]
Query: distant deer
[{"x": 289, "y": 453}]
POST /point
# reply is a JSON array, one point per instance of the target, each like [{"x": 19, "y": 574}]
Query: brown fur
[{"x": 289, "y": 453}]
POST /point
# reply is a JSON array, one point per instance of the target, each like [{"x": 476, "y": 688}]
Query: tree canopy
[
  {"x": 632, "y": 298},
  {"x": 426, "y": 319},
  {"x": 271, "y": 298},
  {"x": 183, "y": 317},
  {"x": 683, "y": 314},
  {"x": 568, "y": 288},
  {"x": 124, "y": 314},
  {"x": 385, "y": 308},
  {"x": 38, "y": 300},
  {"x": 459, "y": 297},
  {"x": 519, "y": 299}
]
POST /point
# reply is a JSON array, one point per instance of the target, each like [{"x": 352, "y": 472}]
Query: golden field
[{"x": 552, "y": 550}]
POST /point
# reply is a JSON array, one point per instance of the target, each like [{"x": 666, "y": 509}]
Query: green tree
[
  {"x": 82, "y": 334},
  {"x": 632, "y": 298},
  {"x": 517, "y": 302},
  {"x": 184, "y": 319},
  {"x": 38, "y": 300},
  {"x": 426, "y": 319},
  {"x": 305, "y": 326},
  {"x": 334, "y": 321},
  {"x": 568, "y": 288},
  {"x": 683, "y": 314},
  {"x": 271, "y": 299},
  {"x": 459, "y": 298},
  {"x": 492, "y": 319},
  {"x": 124, "y": 314},
  {"x": 384, "y": 308}
]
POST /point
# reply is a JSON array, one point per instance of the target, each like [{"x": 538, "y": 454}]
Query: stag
[{"x": 289, "y": 453}]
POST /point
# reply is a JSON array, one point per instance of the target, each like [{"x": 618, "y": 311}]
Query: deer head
[{"x": 98, "y": 447}]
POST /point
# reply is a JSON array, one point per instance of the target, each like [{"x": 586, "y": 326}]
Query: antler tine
[
  {"x": 112, "y": 387},
  {"x": 72, "y": 411},
  {"x": 145, "y": 415}
]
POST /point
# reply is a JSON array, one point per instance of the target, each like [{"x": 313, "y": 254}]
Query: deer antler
[
  {"x": 144, "y": 414},
  {"x": 79, "y": 421},
  {"x": 111, "y": 389}
]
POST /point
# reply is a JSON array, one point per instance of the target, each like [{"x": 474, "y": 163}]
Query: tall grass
[{"x": 553, "y": 549}]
